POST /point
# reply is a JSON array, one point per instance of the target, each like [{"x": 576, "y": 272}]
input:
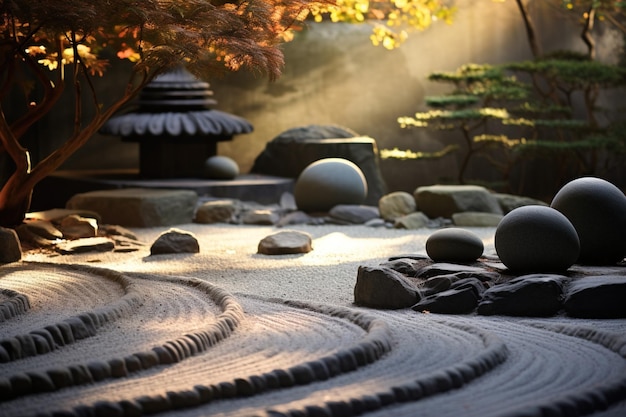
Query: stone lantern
[{"x": 175, "y": 126}]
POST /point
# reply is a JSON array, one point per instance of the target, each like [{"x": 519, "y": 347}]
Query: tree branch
[{"x": 530, "y": 29}]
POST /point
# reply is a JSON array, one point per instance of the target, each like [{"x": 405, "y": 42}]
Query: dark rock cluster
[{"x": 486, "y": 287}]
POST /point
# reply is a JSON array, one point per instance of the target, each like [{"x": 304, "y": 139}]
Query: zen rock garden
[{"x": 562, "y": 258}]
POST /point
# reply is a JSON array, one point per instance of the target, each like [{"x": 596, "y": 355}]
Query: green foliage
[
  {"x": 575, "y": 73},
  {"x": 508, "y": 121}
]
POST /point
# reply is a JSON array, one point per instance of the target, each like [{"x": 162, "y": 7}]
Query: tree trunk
[{"x": 530, "y": 29}]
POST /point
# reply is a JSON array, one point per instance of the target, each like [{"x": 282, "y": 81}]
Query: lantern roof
[{"x": 175, "y": 104}]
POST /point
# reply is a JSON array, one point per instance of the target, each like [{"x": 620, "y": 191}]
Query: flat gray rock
[
  {"x": 445, "y": 200},
  {"x": 286, "y": 242},
  {"x": 138, "y": 207},
  {"x": 354, "y": 213},
  {"x": 216, "y": 211},
  {"x": 536, "y": 295},
  {"x": 83, "y": 245},
  {"x": 597, "y": 297}
]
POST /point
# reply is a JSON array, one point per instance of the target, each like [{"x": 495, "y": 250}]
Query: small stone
[
  {"x": 412, "y": 221},
  {"x": 536, "y": 295},
  {"x": 10, "y": 249},
  {"x": 445, "y": 200},
  {"x": 175, "y": 241},
  {"x": 461, "y": 271},
  {"x": 58, "y": 214},
  {"x": 453, "y": 301},
  {"x": 378, "y": 287},
  {"x": 454, "y": 245},
  {"x": 297, "y": 217},
  {"x": 43, "y": 228},
  {"x": 328, "y": 182},
  {"x": 509, "y": 202},
  {"x": 396, "y": 204},
  {"x": 355, "y": 214},
  {"x": 116, "y": 230},
  {"x": 260, "y": 217},
  {"x": 88, "y": 244},
  {"x": 536, "y": 239},
  {"x": 288, "y": 202},
  {"x": 286, "y": 242},
  {"x": 437, "y": 284},
  {"x": 217, "y": 211},
  {"x": 476, "y": 219},
  {"x": 597, "y": 209},
  {"x": 76, "y": 227},
  {"x": 220, "y": 168},
  {"x": 597, "y": 297}
]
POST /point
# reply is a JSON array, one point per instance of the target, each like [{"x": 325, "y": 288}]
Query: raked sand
[{"x": 235, "y": 333}]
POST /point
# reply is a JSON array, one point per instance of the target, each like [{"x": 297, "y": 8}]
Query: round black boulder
[{"x": 597, "y": 209}]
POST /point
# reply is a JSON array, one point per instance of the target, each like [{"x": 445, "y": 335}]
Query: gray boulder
[
  {"x": 289, "y": 153},
  {"x": 329, "y": 182},
  {"x": 379, "y": 287},
  {"x": 445, "y": 200},
  {"x": 597, "y": 209}
]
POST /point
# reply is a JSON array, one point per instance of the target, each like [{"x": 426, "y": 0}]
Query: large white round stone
[
  {"x": 328, "y": 182},
  {"x": 536, "y": 239}
]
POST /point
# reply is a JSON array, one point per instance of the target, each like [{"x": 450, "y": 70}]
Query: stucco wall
[{"x": 333, "y": 75}]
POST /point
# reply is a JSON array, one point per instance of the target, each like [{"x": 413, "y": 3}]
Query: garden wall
[{"x": 333, "y": 75}]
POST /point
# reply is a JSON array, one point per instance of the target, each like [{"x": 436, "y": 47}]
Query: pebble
[
  {"x": 396, "y": 204},
  {"x": 454, "y": 245},
  {"x": 221, "y": 168},
  {"x": 286, "y": 242},
  {"x": 354, "y": 213},
  {"x": 175, "y": 241}
]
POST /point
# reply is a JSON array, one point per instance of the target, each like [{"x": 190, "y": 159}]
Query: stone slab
[
  {"x": 55, "y": 190},
  {"x": 138, "y": 207}
]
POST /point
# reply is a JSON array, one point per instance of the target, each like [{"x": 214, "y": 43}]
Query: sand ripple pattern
[{"x": 181, "y": 346}]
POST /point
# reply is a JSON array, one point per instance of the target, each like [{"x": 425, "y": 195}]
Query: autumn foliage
[{"x": 59, "y": 44}]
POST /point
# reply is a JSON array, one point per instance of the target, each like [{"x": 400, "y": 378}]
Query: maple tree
[
  {"x": 50, "y": 46},
  {"x": 391, "y": 20}
]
